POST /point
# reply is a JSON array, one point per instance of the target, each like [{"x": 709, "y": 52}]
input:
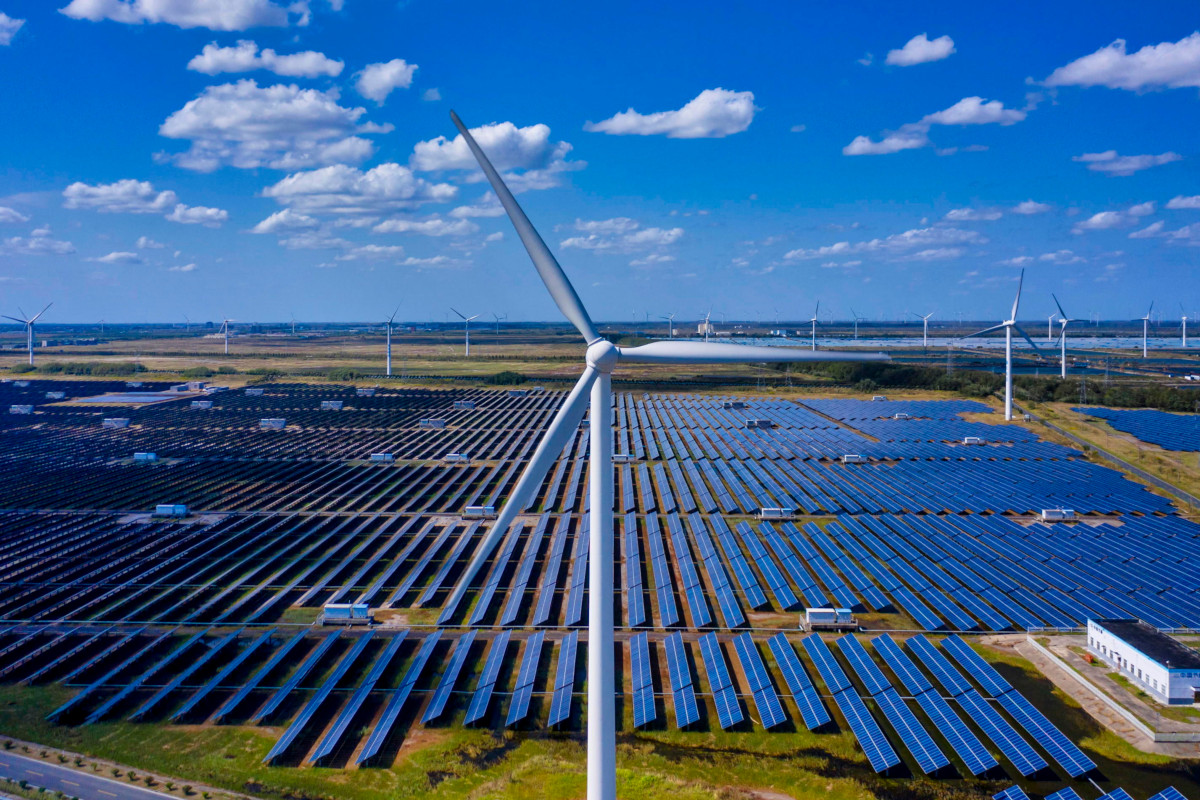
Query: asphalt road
[{"x": 55, "y": 777}]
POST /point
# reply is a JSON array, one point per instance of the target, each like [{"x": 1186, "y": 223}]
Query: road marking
[
  {"x": 110, "y": 794},
  {"x": 69, "y": 783}
]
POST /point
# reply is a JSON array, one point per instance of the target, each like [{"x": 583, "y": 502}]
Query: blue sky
[{"x": 258, "y": 159}]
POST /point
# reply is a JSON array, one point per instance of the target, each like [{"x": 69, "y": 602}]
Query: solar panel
[
  {"x": 1060, "y": 748},
  {"x": 929, "y": 756},
  {"x": 831, "y": 672},
  {"x": 950, "y": 678},
  {"x": 976, "y": 667},
  {"x": 195, "y": 665},
  {"x": 347, "y": 714},
  {"x": 770, "y": 710},
  {"x": 812, "y": 710},
  {"x": 564, "y": 681},
  {"x": 392, "y": 710},
  {"x": 276, "y": 658},
  {"x": 863, "y": 666},
  {"x": 1011, "y": 793},
  {"x": 913, "y": 679},
  {"x": 870, "y": 736},
  {"x": 1003, "y": 735},
  {"x": 1170, "y": 793},
  {"x": 519, "y": 708},
  {"x": 729, "y": 711},
  {"x": 1066, "y": 793},
  {"x": 487, "y": 679},
  {"x": 1116, "y": 794},
  {"x": 643, "y": 680},
  {"x": 224, "y": 673},
  {"x": 965, "y": 743},
  {"x": 446, "y": 685},
  {"x": 300, "y": 674}
]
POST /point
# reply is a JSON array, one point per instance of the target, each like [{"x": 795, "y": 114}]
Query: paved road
[{"x": 55, "y": 777}]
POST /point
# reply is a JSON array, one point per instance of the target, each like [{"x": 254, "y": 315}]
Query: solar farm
[
  {"x": 733, "y": 515},
  {"x": 1168, "y": 431}
]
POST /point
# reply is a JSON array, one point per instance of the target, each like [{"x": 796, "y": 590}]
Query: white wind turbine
[
  {"x": 670, "y": 318},
  {"x": 1008, "y": 326},
  {"x": 466, "y": 328},
  {"x": 857, "y": 319},
  {"x": 1184, "y": 328},
  {"x": 188, "y": 323},
  {"x": 814, "y": 324},
  {"x": 225, "y": 330},
  {"x": 28, "y": 322},
  {"x": 707, "y": 325},
  {"x": 1062, "y": 335},
  {"x": 1050, "y": 327},
  {"x": 925, "y": 330},
  {"x": 293, "y": 323},
  {"x": 602, "y": 357},
  {"x": 1145, "y": 328},
  {"x": 498, "y": 318},
  {"x": 389, "y": 322}
]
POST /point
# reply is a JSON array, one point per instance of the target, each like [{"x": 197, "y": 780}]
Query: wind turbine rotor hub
[{"x": 603, "y": 355}]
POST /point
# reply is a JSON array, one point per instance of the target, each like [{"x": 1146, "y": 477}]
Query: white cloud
[
  {"x": 146, "y": 243},
  {"x": 1142, "y": 209},
  {"x": 494, "y": 237},
  {"x": 909, "y": 139},
  {"x": 968, "y": 111},
  {"x": 377, "y": 81},
  {"x": 1016, "y": 261},
  {"x": 433, "y": 226},
  {"x": 652, "y": 259},
  {"x": 340, "y": 189},
  {"x": 1113, "y": 164},
  {"x": 1031, "y": 207},
  {"x": 620, "y": 235},
  {"x": 372, "y": 252},
  {"x": 314, "y": 240},
  {"x": 1061, "y": 257},
  {"x": 933, "y": 254},
  {"x": 35, "y": 245},
  {"x": 218, "y": 15},
  {"x": 286, "y": 220},
  {"x": 1170, "y": 65},
  {"x": 281, "y": 127},
  {"x": 927, "y": 238},
  {"x": 1151, "y": 231},
  {"x": 798, "y": 128},
  {"x": 488, "y": 206},
  {"x": 712, "y": 114},
  {"x": 433, "y": 261},
  {"x": 8, "y": 28},
  {"x": 122, "y": 197},
  {"x": 431, "y": 95},
  {"x": 972, "y": 215},
  {"x": 245, "y": 57},
  {"x": 1187, "y": 234},
  {"x": 920, "y": 50},
  {"x": 119, "y": 258},
  {"x": 182, "y": 268},
  {"x": 12, "y": 215},
  {"x": 1184, "y": 202},
  {"x": 508, "y": 148},
  {"x": 198, "y": 215}
]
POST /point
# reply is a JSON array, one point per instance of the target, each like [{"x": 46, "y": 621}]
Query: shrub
[
  {"x": 227, "y": 370},
  {"x": 197, "y": 372},
  {"x": 505, "y": 378},
  {"x": 344, "y": 374}
]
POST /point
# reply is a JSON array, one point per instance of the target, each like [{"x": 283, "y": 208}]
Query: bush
[
  {"x": 226, "y": 370},
  {"x": 94, "y": 368},
  {"x": 344, "y": 374},
  {"x": 506, "y": 378},
  {"x": 197, "y": 372},
  {"x": 21, "y": 369}
]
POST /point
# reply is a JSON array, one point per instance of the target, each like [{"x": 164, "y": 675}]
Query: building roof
[{"x": 1152, "y": 642}]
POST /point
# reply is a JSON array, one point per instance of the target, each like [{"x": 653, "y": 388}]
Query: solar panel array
[{"x": 1168, "y": 431}]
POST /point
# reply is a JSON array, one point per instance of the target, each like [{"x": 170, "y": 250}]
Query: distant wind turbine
[
  {"x": 498, "y": 318},
  {"x": 188, "y": 323},
  {"x": 1145, "y": 329},
  {"x": 1050, "y": 327},
  {"x": 390, "y": 320},
  {"x": 29, "y": 322},
  {"x": 466, "y": 328},
  {"x": 925, "y": 330},
  {"x": 857, "y": 319},
  {"x": 293, "y": 323},
  {"x": 602, "y": 358},
  {"x": 1008, "y": 326},
  {"x": 814, "y": 324},
  {"x": 1184, "y": 324},
  {"x": 225, "y": 330},
  {"x": 1062, "y": 336},
  {"x": 670, "y": 318},
  {"x": 707, "y": 325}
]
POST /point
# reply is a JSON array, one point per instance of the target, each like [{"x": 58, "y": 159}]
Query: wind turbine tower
[
  {"x": 390, "y": 320},
  {"x": 225, "y": 330},
  {"x": 814, "y": 324},
  {"x": 29, "y": 322},
  {"x": 857, "y": 319},
  {"x": 1008, "y": 326},
  {"x": 1145, "y": 329},
  {"x": 925, "y": 329},
  {"x": 602, "y": 358},
  {"x": 466, "y": 328},
  {"x": 670, "y": 318},
  {"x": 1062, "y": 336},
  {"x": 498, "y": 318},
  {"x": 1184, "y": 324}
]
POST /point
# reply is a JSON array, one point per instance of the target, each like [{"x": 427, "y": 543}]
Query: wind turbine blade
[
  {"x": 999, "y": 327},
  {"x": 23, "y": 314},
  {"x": 43, "y": 311},
  {"x": 1032, "y": 344},
  {"x": 552, "y": 274},
  {"x": 456, "y": 311},
  {"x": 1017, "y": 301},
  {"x": 562, "y": 428},
  {"x": 468, "y": 319},
  {"x": 1147, "y": 310},
  {"x": 1061, "y": 313},
  {"x": 679, "y": 352},
  {"x": 915, "y": 314}
]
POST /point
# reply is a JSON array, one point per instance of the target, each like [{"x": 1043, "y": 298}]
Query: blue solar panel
[
  {"x": 1002, "y": 734},
  {"x": 1116, "y": 794},
  {"x": 950, "y": 678},
  {"x": 1066, "y": 793},
  {"x": 683, "y": 694},
  {"x": 487, "y": 679},
  {"x": 804, "y": 693},
  {"x": 224, "y": 673},
  {"x": 831, "y": 672},
  {"x": 392, "y": 710},
  {"x": 564, "y": 681},
  {"x": 643, "y": 680},
  {"x": 929, "y": 756},
  {"x": 965, "y": 743},
  {"x": 300, "y": 674},
  {"x": 866, "y": 669},
  {"x": 913, "y": 679},
  {"x": 729, "y": 710},
  {"x": 976, "y": 667},
  {"x": 276, "y": 658},
  {"x": 1011, "y": 793},
  {"x": 770, "y": 710},
  {"x": 1170, "y": 793},
  {"x": 449, "y": 677},
  {"x": 130, "y": 688},
  {"x": 878, "y": 750},
  {"x": 1060, "y": 748},
  {"x": 519, "y": 708},
  {"x": 183, "y": 675},
  {"x": 347, "y": 714}
]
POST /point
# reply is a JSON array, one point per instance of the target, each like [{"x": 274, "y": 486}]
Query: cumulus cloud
[
  {"x": 377, "y": 81},
  {"x": 921, "y": 49},
  {"x": 925, "y": 238},
  {"x": 432, "y": 261},
  {"x": 314, "y": 240},
  {"x": 620, "y": 235},
  {"x": 1184, "y": 202},
  {"x": 712, "y": 114},
  {"x": 245, "y": 57},
  {"x": 488, "y": 206},
  {"x": 1061, "y": 257},
  {"x": 431, "y": 95},
  {"x": 1101, "y": 221},
  {"x": 36, "y": 244},
  {"x": 933, "y": 254},
  {"x": 1169, "y": 65},
  {"x": 968, "y": 111},
  {"x": 528, "y": 149},
  {"x": 218, "y": 15},
  {"x": 1188, "y": 234},
  {"x": 433, "y": 226},
  {"x": 1111, "y": 163},
  {"x": 119, "y": 258},
  {"x": 286, "y": 220},
  {"x": 1031, "y": 207},
  {"x": 973, "y": 215},
  {"x": 372, "y": 252},
  {"x": 122, "y": 197},
  {"x": 1151, "y": 231},
  {"x": 8, "y": 28},
  {"x": 12, "y": 215},
  {"x": 282, "y": 127},
  {"x": 198, "y": 215},
  {"x": 146, "y": 243},
  {"x": 1016, "y": 261},
  {"x": 182, "y": 268},
  {"x": 651, "y": 260},
  {"x": 340, "y": 189}
]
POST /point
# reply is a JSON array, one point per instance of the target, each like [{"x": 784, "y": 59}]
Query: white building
[
  {"x": 706, "y": 328},
  {"x": 1166, "y": 669}
]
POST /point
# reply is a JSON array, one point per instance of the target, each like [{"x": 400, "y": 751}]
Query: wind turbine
[
  {"x": 925, "y": 322},
  {"x": 28, "y": 322},
  {"x": 466, "y": 327},
  {"x": 670, "y": 318},
  {"x": 389, "y": 340},
  {"x": 102, "y": 329},
  {"x": 1145, "y": 328},
  {"x": 1050, "y": 327},
  {"x": 498, "y": 318},
  {"x": 814, "y": 325},
  {"x": 294, "y": 325},
  {"x": 602, "y": 357},
  {"x": 225, "y": 330},
  {"x": 188, "y": 322},
  {"x": 1062, "y": 335},
  {"x": 1184, "y": 310},
  {"x": 1008, "y": 326},
  {"x": 707, "y": 326},
  {"x": 857, "y": 319}
]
